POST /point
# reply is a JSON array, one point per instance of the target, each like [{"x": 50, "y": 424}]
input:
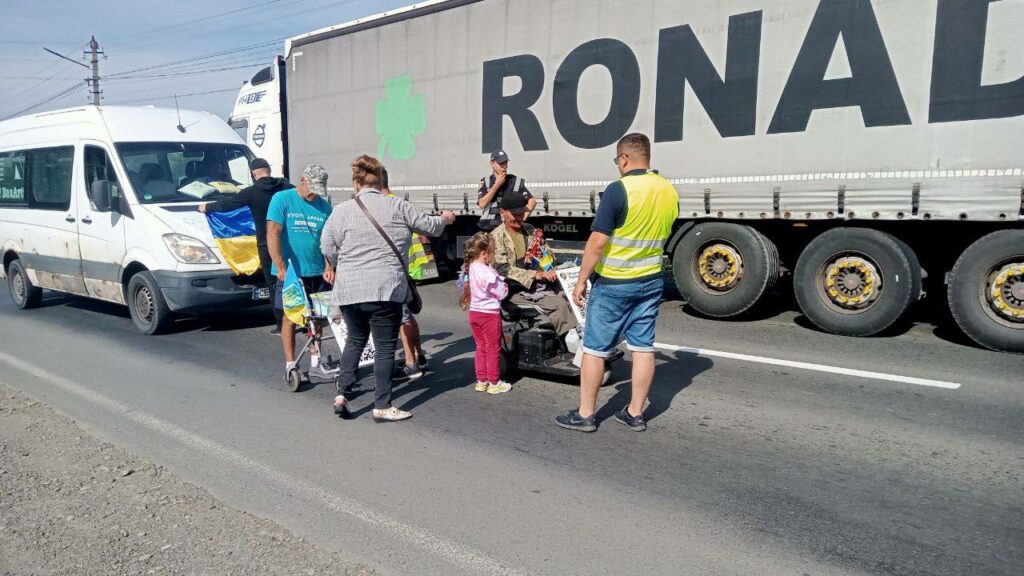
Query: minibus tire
[
  {"x": 146, "y": 303},
  {"x": 24, "y": 294}
]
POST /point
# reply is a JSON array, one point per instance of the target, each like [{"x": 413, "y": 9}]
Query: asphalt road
[{"x": 750, "y": 465}]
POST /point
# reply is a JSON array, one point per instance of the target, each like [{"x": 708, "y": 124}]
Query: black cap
[
  {"x": 499, "y": 156},
  {"x": 259, "y": 163},
  {"x": 513, "y": 202}
]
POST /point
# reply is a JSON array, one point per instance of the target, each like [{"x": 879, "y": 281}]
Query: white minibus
[{"x": 100, "y": 201}]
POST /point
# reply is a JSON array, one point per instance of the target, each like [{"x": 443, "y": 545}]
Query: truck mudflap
[{"x": 196, "y": 292}]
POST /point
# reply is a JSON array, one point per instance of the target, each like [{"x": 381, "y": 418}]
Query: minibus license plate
[{"x": 261, "y": 293}]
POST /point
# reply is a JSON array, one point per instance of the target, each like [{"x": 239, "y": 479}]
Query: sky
[{"x": 201, "y": 50}]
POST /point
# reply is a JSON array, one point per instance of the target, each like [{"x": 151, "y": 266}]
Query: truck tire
[
  {"x": 723, "y": 269},
  {"x": 147, "y": 305},
  {"x": 24, "y": 294},
  {"x": 856, "y": 281},
  {"x": 986, "y": 291}
]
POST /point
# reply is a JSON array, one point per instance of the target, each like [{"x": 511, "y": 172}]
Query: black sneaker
[
  {"x": 275, "y": 331},
  {"x": 422, "y": 361},
  {"x": 412, "y": 372},
  {"x": 572, "y": 420},
  {"x": 634, "y": 423}
]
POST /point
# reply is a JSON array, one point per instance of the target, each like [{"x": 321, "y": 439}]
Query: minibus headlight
[{"x": 190, "y": 250}]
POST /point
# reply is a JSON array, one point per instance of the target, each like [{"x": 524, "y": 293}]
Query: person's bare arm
[
  {"x": 499, "y": 181},
  {"x": 591, "y": 255},
  {"x": 274, "y": 247},
  {"x": 530, "y": 205}
]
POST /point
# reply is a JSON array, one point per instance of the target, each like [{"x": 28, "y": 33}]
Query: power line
[
  {"x": 66, "y": 92},
  {"x": 162, "y": 30},
  {"x": 190, "y": 72},
  {"x": 198, "y": 58},
  {"x": 244, "y": 48},
  {"x": 171, "y": 97},
  {"x": 60, "y": 67}
]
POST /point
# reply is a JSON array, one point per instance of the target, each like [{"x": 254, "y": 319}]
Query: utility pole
[
  {"x": 94, "y": 83},
  {"x": 94, "y": 53}
]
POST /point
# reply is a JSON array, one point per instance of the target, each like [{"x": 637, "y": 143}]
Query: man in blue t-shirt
[{"x": 295, "y": 221}]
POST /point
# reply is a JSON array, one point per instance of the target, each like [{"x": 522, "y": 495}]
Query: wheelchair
[{"x": 530, "y": 345}]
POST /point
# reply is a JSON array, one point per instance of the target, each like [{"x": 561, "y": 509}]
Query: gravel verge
[{"x": 71, "y": 504}]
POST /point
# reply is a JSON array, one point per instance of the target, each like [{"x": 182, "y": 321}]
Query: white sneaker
[
  {"x": 288, "y": 367},
  {"x": 481, "y": 386},
  {"x": 500, "y": 388},
  {"x": 390, "y": 415},
  {"x": 329, "y": 368}
]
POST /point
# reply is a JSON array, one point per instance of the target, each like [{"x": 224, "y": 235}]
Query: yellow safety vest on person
[{"x": 636, "y": 249}]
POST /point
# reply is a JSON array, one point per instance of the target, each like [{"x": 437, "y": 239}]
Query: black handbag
[{"x": 415, "y": 302}]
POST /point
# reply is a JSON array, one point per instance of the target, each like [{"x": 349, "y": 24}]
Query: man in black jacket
[{"x": 257, "y": 198}]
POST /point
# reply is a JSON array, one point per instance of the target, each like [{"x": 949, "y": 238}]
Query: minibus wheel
[
  {"x": 146, "y": 303},
  {"x": 24, "y": 294}
]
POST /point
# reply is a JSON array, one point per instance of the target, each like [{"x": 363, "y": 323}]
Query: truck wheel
[
  {"x": 986, "y": 291},
  {"x": 722, "y": 269},
  {"x": 856, "y": 281},
  {"x": 24, "y": 294},
  {"x": 147, "y": 305}
]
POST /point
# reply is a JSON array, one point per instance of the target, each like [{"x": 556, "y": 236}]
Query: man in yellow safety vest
[{"x": 625, "y": 253}]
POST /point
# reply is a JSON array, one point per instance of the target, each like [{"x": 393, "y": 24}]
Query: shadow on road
[
  {"x": 444, "y": 374},
  {"x": 674, "y": 374}
]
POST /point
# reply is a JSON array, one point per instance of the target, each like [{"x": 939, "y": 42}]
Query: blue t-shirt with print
[{"x": 301, "y": 223}]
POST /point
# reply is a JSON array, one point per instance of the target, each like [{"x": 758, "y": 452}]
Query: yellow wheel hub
[
  {"x": 852, "y": 282},
  {"x": 1006, "y": 291},
  {"x": 720, "y": 266}
]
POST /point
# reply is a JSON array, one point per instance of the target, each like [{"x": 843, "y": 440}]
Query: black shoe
[
  {"x": 422, "y": 361},
  {"x": 411, "y": 372},
  {"x": 635, "y": 423},
  {"x": 342, "y": 409},
  {"x": 572, "y": 420},
  {"x": 275, "y": 331}
]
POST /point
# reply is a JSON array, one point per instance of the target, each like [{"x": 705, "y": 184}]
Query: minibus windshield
[{"x": 162, "y": 172}]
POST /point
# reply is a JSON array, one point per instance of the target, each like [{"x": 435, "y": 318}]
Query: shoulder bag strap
[{"x": 383, "y": 234}]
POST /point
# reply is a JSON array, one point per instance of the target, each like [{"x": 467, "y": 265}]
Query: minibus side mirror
[{"x": 102, "y": 196}]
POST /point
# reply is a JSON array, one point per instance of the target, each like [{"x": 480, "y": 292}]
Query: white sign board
[{"x": 567, "y": 277}]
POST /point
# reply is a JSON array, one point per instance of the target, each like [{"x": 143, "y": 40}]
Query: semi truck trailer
[{"x": 868, "y": 152}]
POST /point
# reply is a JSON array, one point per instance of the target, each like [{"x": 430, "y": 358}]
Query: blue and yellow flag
[
  {"x": 293, "y": 297},
  {"x": 235, "y": 235}
]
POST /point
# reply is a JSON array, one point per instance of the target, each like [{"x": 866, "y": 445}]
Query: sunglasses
[{"x": 616, "y": 159}]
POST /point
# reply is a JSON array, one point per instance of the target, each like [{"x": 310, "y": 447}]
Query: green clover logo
[{"x": 401, "y": 115}]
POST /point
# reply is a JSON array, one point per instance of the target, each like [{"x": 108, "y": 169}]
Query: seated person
[
  {"x": 528, "y": 286},
  {"x": 211, "y": 170}
]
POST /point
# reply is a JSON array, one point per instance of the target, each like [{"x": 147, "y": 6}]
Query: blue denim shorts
[{"x": 617, "y": 311}]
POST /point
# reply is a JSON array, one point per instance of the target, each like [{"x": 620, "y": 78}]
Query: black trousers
[
  {"x": 381, "y": 319},
  {"x": 266, "y": 263}
]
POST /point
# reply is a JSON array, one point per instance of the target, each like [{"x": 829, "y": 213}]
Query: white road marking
[
  {"x": 465, "y": 557},
  {"x": 810, "y": 366}
]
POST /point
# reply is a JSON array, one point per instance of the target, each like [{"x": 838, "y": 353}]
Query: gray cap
[
  {"x": 499, "y": 156},
  {"x": 316, "y": 179}
]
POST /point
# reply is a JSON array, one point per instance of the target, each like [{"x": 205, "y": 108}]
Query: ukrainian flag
[
  {"x": 235, "y": 234},
  {"x": 293, "y": 297}
]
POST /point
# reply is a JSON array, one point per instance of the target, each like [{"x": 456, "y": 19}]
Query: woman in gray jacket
[{"x": 371, "y": 284}]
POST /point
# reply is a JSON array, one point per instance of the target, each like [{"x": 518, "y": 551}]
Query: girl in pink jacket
[{"x": 482, "y": 292}]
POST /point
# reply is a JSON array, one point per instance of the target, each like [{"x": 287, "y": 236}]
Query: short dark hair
[
  {"x": 384, "y": 177},
  {"x": 635, "y": 144}
]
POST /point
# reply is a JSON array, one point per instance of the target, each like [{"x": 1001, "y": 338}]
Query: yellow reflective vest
[{"x": 636, "y": 249}]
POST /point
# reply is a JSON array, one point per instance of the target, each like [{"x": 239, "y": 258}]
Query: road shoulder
[{"x": 72, "y": 504}]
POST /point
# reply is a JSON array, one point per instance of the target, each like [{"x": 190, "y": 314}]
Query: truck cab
[{"x": 259, "y": 119}]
